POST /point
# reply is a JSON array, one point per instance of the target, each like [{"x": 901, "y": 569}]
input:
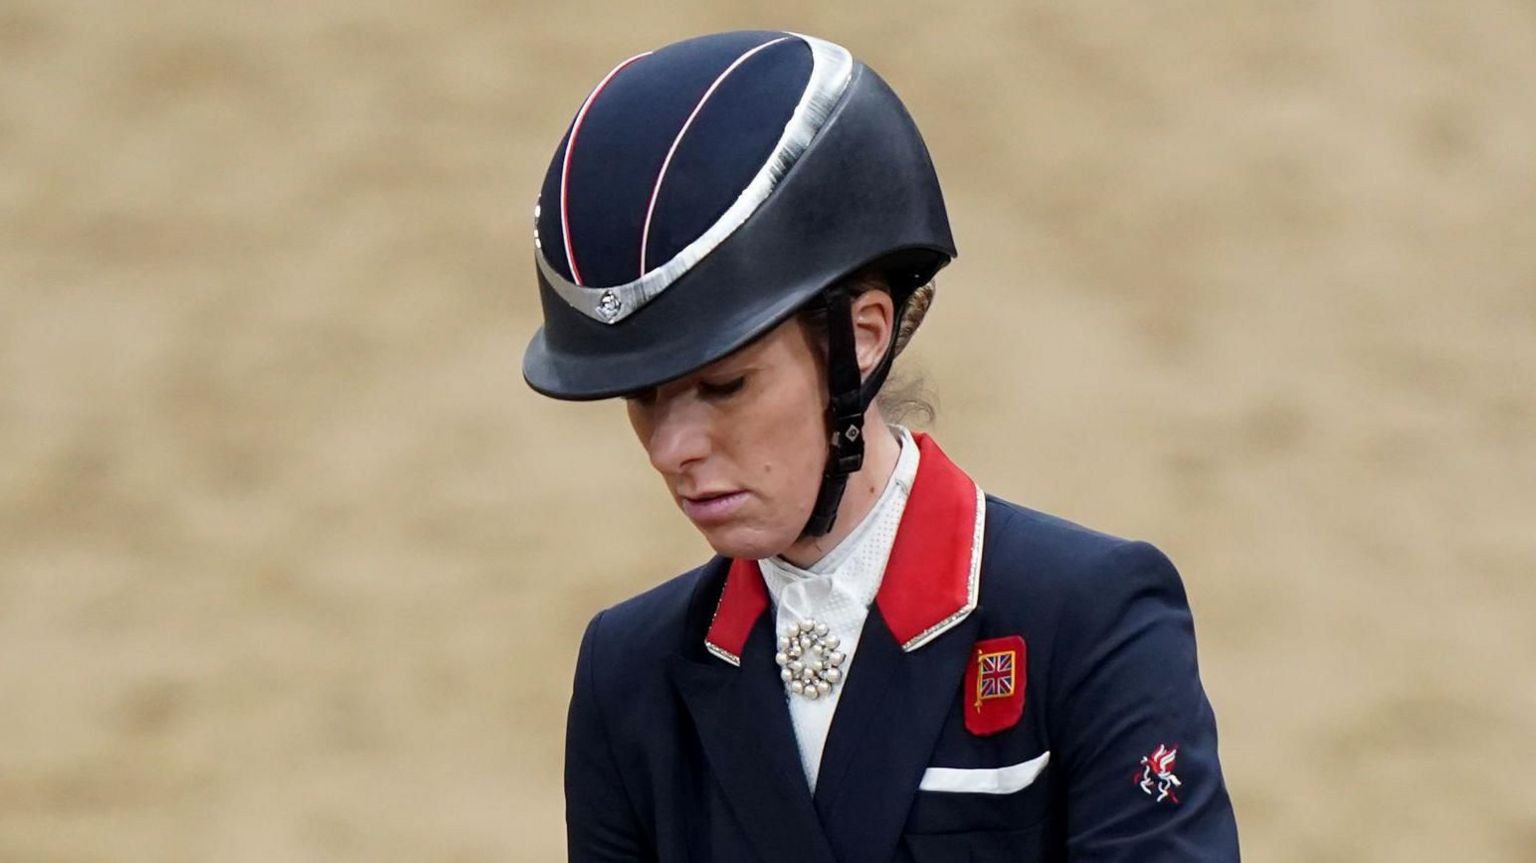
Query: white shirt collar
[{"x": 883, "y": 518}]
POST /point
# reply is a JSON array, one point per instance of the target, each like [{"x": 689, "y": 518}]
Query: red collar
[{"x": 930, "y": 580}]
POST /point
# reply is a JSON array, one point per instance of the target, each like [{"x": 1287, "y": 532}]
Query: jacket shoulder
[
  {"x": 1113, "y": 672},
  {"x": 650, "y": 624},
  {"x": 1035, "y": 559}
]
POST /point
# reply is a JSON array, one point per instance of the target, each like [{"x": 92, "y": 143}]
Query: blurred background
[{"x": 293, "y": 566}]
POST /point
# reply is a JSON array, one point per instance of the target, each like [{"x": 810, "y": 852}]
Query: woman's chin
[{"x": 744, "y": 543}]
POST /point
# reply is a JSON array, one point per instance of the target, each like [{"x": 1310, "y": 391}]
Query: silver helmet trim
[{"x": 831, "y": 70}]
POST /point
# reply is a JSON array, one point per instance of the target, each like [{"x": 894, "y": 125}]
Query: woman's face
[{"x": 741, "y": 442}]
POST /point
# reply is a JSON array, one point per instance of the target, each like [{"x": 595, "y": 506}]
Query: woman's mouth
[{"x": 712, "y": 508}]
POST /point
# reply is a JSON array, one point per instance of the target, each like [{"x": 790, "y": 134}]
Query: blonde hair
[{"x": 912, "y": 316}]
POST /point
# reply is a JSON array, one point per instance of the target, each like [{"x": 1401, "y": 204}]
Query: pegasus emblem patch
[{"x": 1157, "y": 778}]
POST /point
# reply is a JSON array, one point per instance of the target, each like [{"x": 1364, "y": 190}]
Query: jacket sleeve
[
  {"x": 1132, "y": 722},
  {"x": 600, "y": 822}
]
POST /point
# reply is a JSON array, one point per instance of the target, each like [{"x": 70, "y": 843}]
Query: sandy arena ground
[{"x": 293, "y": 566}]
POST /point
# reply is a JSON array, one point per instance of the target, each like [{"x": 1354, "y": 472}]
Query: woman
[{"x": 737, "y": 235}]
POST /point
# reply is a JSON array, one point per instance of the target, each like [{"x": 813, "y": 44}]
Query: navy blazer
[{"x": 678, "y": 750}]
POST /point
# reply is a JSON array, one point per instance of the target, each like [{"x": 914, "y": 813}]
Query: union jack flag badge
[{"x": 994, "y": 685}]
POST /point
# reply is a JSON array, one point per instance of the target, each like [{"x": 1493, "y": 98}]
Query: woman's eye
[{"x": 721, "y": 390}]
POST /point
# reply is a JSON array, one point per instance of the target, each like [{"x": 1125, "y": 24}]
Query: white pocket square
[{"x": 984, "y": 780}]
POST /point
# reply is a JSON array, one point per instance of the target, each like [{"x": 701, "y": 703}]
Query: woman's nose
[{"x": 679, "y": 436}]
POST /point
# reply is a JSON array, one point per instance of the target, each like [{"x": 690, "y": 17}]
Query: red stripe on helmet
[
  {"x": 645, "y": 233},
  {"x": 565, "y": 167}
]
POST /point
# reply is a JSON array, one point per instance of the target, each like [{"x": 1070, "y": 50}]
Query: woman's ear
[{"x": 874, "y": 326}]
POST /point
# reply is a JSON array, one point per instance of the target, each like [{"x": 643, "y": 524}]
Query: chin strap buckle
[
  {"x": 849, "y": 397},
  {"x": 845, "y": 415}
]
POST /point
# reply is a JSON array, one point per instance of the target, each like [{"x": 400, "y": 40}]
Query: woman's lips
[{"x": 711, "y": 509}]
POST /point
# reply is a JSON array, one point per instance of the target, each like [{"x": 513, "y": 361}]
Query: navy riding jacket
[{"x": 1025, "y": 689}]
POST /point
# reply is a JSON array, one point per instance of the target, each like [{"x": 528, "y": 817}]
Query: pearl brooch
[{"x": 808, "y": 659}]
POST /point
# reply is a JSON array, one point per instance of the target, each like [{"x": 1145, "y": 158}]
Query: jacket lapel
[
  {"x": 744, "y": 726},
  {"x": 910, "y": 664},
  {"x": 887, "y": 723}
]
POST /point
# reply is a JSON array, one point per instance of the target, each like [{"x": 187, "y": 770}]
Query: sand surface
[{"x": 293, "y": 566}]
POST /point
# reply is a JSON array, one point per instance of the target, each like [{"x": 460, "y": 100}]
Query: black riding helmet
[{"x": 708, "y": 190}]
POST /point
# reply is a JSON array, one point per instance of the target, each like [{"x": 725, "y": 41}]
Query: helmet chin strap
[{"x": 849, "y": 398}]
